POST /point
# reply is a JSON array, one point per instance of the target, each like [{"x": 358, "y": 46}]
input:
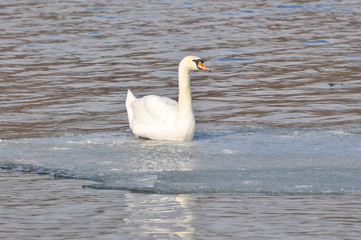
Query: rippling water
[
  {"x": 66, "y": 66},
  {"x": 279, "y": 114}
]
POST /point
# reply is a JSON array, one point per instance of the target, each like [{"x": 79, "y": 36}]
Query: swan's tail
[{"x": 130, "y": 98}]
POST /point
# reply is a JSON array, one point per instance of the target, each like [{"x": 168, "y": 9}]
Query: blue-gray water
[{"x": 277, "y": 150}]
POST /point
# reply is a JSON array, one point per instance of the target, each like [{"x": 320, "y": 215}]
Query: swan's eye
[{"x": 199, "y": 63}]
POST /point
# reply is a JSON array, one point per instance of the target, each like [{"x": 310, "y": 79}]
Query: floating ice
[{"x": 222, "y": 159}]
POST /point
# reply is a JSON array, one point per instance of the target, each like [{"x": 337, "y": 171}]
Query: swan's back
[
  {"x": 154, "y": 108},
  {"x": 151, "y": 116}
]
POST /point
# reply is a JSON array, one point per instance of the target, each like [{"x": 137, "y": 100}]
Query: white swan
[{"x": 161, "y": 118}]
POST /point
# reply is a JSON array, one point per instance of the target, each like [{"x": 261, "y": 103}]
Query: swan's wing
[{"x": 154, "y": 108}]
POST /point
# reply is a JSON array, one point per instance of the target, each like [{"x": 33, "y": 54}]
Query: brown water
[{"x": 65, "y": 67}]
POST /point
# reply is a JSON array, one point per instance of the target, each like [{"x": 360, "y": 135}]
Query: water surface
[
  {"x": 277, "y": 146},
  {"x": 66, "y": 66}
]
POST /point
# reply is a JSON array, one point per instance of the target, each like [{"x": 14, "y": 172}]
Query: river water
[{"x": 277, "y": 149}]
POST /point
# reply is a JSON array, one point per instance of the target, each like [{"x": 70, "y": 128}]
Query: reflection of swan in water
[{"x": 161, "y": 118}]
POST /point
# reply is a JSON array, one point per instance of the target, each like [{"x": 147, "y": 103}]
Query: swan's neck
[{"x": 185, "y": 111}]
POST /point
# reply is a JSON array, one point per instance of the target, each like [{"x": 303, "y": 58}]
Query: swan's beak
[{"x": 201, "y": 66}]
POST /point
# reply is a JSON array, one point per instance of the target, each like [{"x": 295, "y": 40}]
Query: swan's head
[{"x": 193, "y": 63}]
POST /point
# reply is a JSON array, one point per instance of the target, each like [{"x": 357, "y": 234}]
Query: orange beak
[{"x": 200, "y": 65}]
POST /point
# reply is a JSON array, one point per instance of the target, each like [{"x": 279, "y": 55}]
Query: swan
[{"x": 160, "y": 118}]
